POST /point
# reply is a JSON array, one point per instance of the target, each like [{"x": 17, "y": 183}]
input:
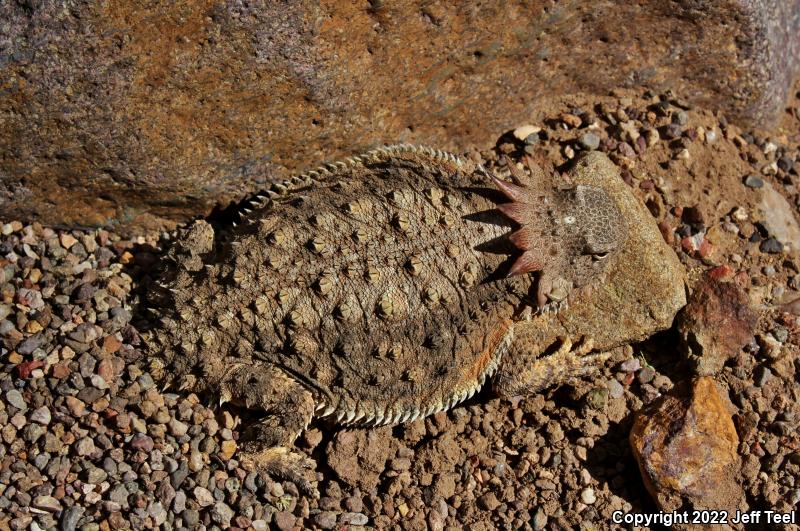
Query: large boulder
[{"x": 112, "y": 113}]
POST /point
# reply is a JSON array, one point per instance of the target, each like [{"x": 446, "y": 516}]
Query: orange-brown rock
[
  {"x": 715, "y": 324},
  {"x": 132, "y": 115},
  {"x": 686, "y": 447}
]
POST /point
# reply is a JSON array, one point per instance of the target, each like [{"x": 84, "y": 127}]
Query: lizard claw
[{"x": 280, "y": 462}]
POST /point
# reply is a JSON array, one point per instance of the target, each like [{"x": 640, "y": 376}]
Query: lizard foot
[
  {"x": 566, "y": 362},
  {"x": 280, "y": 462},
  {"x": 568, "y": 348}
]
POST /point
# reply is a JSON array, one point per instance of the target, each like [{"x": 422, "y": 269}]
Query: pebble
[
  {"x": 284, "y": 520},
  {"x": 671, "y": 131},
  {"x": 771, "y": 245},
  {"x": 488, "y": 502},
  {"x": 190, "y": 517},
  {"x": 753, "y": 181},
  {"x": 70, "y": 518},
  {"x": 590, "y": 141},
  {"x": 680, "y": 118},
  {"x": 522, "y": 133},
  {"x": 353, "y": 519},
  {"x": 587, "y": 496},
  {"x": 14, "y": 397},
  {"x": 41, "y": 415},
  {"x": 761, "y": 376},
  {"x": 85, "y": 446},
  {"x": 47, "y": 503},
  {"x": 178, "y": 428},
  {"x": 631, "y": 365},
  {"x": 539, "y": 520},
  {"x": 615, "y": 389},
  {"x": 142, "y": 442},
  {"x": 222, "y": 514},
  {"x": 325, "y": 519},
  {"x": 203, "y": 496}
]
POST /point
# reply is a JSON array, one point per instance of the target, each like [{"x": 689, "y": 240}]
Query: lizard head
[{"x": 568, "y": 233}]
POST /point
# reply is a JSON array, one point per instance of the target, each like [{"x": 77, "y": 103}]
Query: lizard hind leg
[{"x": 288, "y": 407}]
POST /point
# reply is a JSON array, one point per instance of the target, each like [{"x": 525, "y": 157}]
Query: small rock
[
  {"x": 779, "y": 218},
  {"x": 325, "y": 519},
  {"x": 762, "y": 376},
  {"x": 680, "y": 117},
  {"x": 177, "y": 428},
  {"x": 284, "y": 520},
  {"x": 41, "y": 415},
  {"x": 589, "y": 141},
  {"x": 646, "y": 375},
  {"x": 588, "y": 496},
  {"x": 615, "y": 389},
  {"x": 75, "y": 405},
  {"x": 221, "y": 514},
  {"x": 142, "y": 442},
  {"x": 488, "y": 502},
  {"x": 85, "y": 446},
  {"x": 47, "y": 503},
  {"x": 353, "y": 519},
  {"x": 70, "y": 518},
  {"x": 671, "y": 131},
  {"x": 715, "y": 324},
  {"x": 522, "y": 133},
  {"x": 539, "y": 520},
  {"x": 228, "y": 448},
  {"x": 771, "y": 245},
  {"x": 190, "y": 517},
  {"x": 631, "y": 365},
  {"x": 67, "y": 240},
  {"x": 753, "y": 181},
  {"x": 571, "y": 120},
  {"x": 14, "y": 397},
  {"x": 203, "y": 496}
]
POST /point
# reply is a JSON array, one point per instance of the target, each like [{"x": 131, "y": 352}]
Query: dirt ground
[{"x": 89, "y": 443}]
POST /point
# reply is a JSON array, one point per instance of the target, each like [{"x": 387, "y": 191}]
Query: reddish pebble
[
  {"x": 24, "y": 370},
  {"x": 61, "y": 370},
  {"x": 706, "y": 249},
  {"x": 142, "y": 442},
  {"x": 106, "y": 369},
  {"x": 111, "y": 344},
  {"x": 723, "y": 272}
]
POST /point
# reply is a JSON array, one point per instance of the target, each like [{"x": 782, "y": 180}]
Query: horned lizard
[{"x": 394, "y": 284}]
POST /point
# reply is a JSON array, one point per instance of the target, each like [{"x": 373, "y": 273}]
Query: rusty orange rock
[
  {"x": 686, "y": 447},
  {"x": 134, "y": 116}
]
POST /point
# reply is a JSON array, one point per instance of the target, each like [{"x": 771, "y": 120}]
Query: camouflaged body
[{"x": 379, "y": 283}]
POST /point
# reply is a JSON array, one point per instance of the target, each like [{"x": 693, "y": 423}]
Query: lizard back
[{"x": 369, "y": 282}]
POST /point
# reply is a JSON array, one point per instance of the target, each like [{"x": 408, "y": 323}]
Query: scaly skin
[{"x": 382, "y": 289}]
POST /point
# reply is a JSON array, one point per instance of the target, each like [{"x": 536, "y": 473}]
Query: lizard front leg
[
  {"x": 288, "y": 407},
  {"x": 527, "y": 368}
]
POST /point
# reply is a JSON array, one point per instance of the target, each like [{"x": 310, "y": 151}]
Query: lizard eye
[{"x": 599, "y": 256}]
